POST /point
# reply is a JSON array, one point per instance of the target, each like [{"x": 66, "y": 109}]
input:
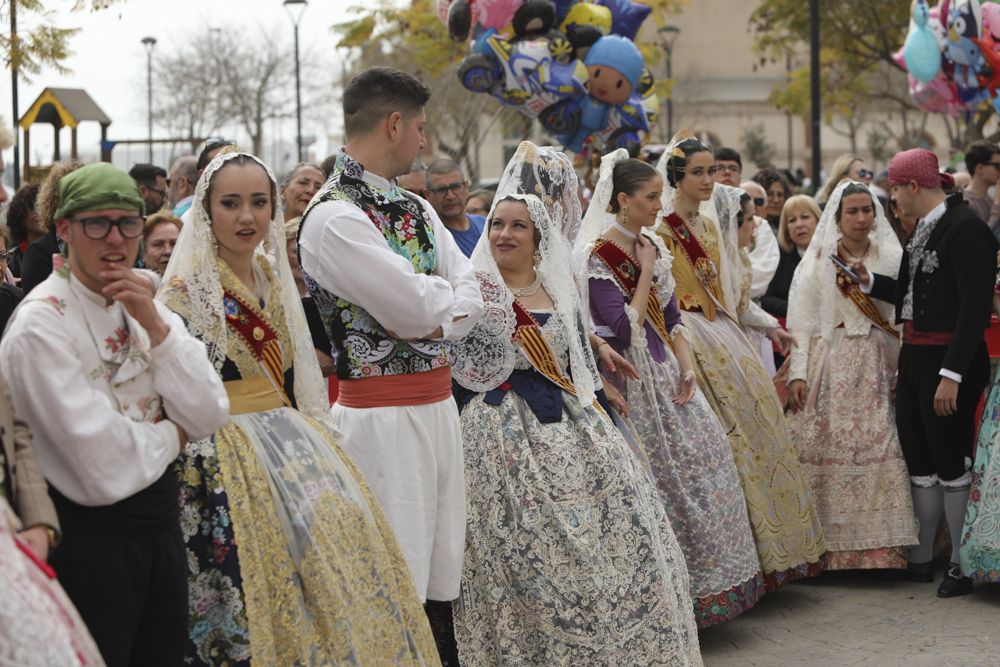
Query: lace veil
[
  {"x": 548, "y": 174},
  {"x": 193, "y": 270},
  {"x": 485, "y": 357},
  {"x": 719, "y": 213},
  {"x": 598, "y": 219},
  {"x": 883, "y": 257}
]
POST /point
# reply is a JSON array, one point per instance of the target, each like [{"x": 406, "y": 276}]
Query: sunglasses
[
  {"x": 866, "y": 173},
  {"x": 759, "y": 201}
]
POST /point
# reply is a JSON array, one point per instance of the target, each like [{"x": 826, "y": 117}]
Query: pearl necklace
[
  {"x": 530, "y": 290},
  {"x": 624, "y": 232}
]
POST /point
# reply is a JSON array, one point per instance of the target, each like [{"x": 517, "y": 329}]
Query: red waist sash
[
  {"x": 384, "y": 391},
  {"x": 913, "y": 337}
]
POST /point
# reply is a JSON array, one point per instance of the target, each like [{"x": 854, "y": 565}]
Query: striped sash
[
  {"x": 852, "y": 291},
  {"x": 261, "y": 339},
  {"x": 626, "y": 273}
]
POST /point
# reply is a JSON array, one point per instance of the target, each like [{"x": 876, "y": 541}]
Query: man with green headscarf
[{"x": 113, "y": 387}]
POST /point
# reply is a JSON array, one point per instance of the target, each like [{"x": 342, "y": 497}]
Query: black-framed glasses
[
  {"x": 730, "y": 168},
  {"x": 98, "y": 228},
  {"x": 6, "y": 256},
  {"x": 759, "y": 201},
  {"x": 995, "y": 165},
  {"x": 866, "y": 173},
  {"x": 162, "y": 193},
  {"x": 451, "y": 187}
]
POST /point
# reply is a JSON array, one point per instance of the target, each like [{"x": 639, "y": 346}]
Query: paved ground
[{"x": 856, "y": 618}]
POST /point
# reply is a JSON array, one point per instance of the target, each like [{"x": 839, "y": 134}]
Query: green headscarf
[{"x": 97, "y": 186}]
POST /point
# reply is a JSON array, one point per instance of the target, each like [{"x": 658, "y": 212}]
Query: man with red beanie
[{"x": 943, "y": 297}]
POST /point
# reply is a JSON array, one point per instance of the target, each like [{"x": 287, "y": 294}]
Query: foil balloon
[
  {"x": 964, "y": 24},
  {"x": 626, "y": 16},
  {"x": 921, "y": 50}
]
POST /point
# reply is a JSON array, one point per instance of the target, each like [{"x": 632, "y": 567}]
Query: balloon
[
  {"x": 921, "y": 53},
  {"x": 991, "y": 22},
  {"x": 964, "y": 23},
  {"x": 626, "y": 16}
]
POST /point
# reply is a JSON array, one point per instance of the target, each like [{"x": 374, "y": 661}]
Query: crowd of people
[{"x": 363, "y": 415}]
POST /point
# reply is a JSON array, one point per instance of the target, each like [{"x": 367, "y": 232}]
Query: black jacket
[
  {"x": 775, "y": 299},
  {"x": 957, "y": 296},
  {"x": 37, "y": 263}
]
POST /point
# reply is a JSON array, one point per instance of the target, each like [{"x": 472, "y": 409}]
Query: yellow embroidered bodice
[{"x": 691, "y": 294}]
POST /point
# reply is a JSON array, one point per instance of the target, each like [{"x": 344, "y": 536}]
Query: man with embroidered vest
[
  {"x": 395, "y": 289},
  {"x": 123, "y": 388},
  {"x": 943, "y": 299}
]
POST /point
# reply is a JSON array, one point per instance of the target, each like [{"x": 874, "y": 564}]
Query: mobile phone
[{"x": 845, "y": 267}]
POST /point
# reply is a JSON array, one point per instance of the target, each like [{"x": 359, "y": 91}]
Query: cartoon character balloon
[
  {"x": 921, "y": 50},
  {"x": 964, "y": 24}
]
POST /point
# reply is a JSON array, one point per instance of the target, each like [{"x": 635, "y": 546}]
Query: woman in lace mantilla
[
  {"x": 570, "y": 558},
  {"x": 840, "y": 384},
  {"x": 698, "y": 227},
  {"x": 633, "y": 306},
  {"x": 291, "y": 561}
]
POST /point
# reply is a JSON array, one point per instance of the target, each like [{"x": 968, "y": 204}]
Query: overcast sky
[{"x": 109, "y": 61}]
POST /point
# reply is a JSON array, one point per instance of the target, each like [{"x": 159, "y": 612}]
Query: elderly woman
[
  {"x": 840, "y": 382},
  {"x": 570, "y": 557},
  {"x": 799, "y": 217},
  {"x": 299, "y": 187},
  {"x": 159, "y": 236}
]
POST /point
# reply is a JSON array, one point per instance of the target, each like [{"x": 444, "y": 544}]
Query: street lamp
[
  {"x": 295, "y": 9},
  {"x": 668, "y": 35},
  {"x": 149, "y": 43}
]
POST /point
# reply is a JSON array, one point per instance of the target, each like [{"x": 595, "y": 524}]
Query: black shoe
[
  {"x": 922, "y": 573},
  {"x": 954, "y": 584}
]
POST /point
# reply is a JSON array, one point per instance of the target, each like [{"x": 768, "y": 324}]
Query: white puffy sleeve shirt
[
  {"x": 347, "y": 255},
  {"x": 87, "y": 446}
]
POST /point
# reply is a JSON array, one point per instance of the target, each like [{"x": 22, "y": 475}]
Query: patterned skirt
[
  {"x": 291, "y": 561},
  {"x": 569, "y": 557},
  {"x": 692, "y": 465},
  {"x": 782, "y": 513},
  {"x": 850, "y": 452},
  {"x": 980, "y": 551}
]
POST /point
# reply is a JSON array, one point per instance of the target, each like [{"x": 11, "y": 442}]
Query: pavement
[{"x": 850, "y": 618}]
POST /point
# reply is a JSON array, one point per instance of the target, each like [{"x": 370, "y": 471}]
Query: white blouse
[{"x": 99, "y": 400}]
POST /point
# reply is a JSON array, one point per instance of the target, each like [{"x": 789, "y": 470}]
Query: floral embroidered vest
[{"x": 362, "y": 347}]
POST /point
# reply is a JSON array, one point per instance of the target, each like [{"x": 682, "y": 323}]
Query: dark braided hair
[
  {"x": 677, "y": 165},
  {"x": 628, "y": 176}
]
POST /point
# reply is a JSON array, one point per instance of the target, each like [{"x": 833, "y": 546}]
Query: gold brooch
[{"x": 258, "y": 334}]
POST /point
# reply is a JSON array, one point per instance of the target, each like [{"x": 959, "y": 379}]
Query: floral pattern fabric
[
  {"x": 980, "y": 551},
  {"x": 782, "y": 513},
  {"x": 850, "y": 452},
  {"x": 570, "y": 558},
  {"x": 290, "y": 559},
  {"x": 692, "y": 465},
  {"x": 363, "y": 347}
]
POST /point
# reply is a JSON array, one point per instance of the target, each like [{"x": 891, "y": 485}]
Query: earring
[
  {"x": 536, "y": 259},
  {"x": 625, "y": 214}
]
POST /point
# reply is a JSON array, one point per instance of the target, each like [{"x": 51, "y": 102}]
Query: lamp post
[
  {"x": 295, "y": 9},
  {"x": 668, "y": 35},
  {"x": 149, "y": 43},
  {"x": 13, "y": 89},
  {"x": 814, "y": 92}
]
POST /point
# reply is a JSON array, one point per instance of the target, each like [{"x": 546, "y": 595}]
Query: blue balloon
[
  {"x": 626, "y": 16},
  {"x": 922, "y": 54}
]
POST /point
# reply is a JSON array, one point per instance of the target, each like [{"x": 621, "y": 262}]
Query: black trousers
[
  {"x": 935, "y": 445},
  {"x": 132, "y": 592}
]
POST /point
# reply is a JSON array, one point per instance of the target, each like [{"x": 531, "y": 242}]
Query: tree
[
  {"x": 858, "y": 39},
  {"x": 241, "y": 76},
  {"x": 756, "y": 147},
  {"x": 39, "y": 42}
]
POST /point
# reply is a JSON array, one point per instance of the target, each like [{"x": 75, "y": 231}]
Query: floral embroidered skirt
[
  {"x": 291, "y": 561},
  {"x": 850, "y": 453},
  {"x": 980, "y": 551},
  {"x": 569, "y": 557},
  {"x": 692, "y": 465},
  {"x": 782, "y": 514}
]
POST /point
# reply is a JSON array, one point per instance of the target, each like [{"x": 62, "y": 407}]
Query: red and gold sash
[
  {"x": 704, "y": 267},
  {"x": 538, "y": 351},
  {"x": 262, "y": 340},
  {"x": 626, "y": 273},
  {"x": 852, "y": 291}
]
